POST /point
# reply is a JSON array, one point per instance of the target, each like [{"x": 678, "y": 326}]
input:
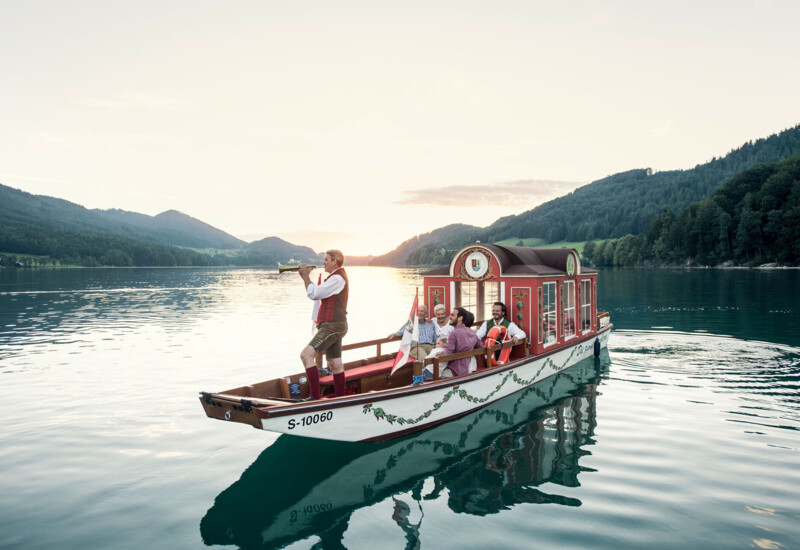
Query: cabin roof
[{"x": 522, "y": 260}]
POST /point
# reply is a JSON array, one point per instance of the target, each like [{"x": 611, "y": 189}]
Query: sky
[{"x": 357, "y": 125}]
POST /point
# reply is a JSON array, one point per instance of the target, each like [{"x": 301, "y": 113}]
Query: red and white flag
[{"x": 410, "y": 334}]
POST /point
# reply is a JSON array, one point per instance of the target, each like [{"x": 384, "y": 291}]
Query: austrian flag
[{"x": 410, "y": 334}]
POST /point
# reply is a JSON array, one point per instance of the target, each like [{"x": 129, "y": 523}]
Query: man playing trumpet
[{"x": 331, "y": 319}]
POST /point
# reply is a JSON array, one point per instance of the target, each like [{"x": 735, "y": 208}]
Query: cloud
[
  {"x": 139, "y": 100},
  {"x": 507, "y": 194},
  {"x": 663, "y": 130}
]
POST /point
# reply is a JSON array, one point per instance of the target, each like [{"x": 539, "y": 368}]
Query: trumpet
[{"x": 285, "y": 268}]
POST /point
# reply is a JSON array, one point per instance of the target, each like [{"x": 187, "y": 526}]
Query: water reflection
[
  {"x": 42, "y": 308},
  {"x": 39, "y": 308},
  {"x": 486, "y": 462},
  {"x": 749, "y": 304}
]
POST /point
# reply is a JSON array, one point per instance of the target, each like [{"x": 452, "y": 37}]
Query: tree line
[
  {"x": 754, "y": 218},
  {"x": 59, "y": 247},
  {"x": 627, "y": 202},
  {"x": 65, "y": 247}
]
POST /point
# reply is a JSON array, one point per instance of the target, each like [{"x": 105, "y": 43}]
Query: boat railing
[
  {"x": 483, "y": 356},
  {"x": 378, "y": 355},
  {"x": 358, "y": 345}
]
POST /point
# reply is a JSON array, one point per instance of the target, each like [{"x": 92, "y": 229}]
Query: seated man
[
  {"x": 427, "y": 335},
  {"x": 441, "y": 322},
  {"x": 499, "y": 319},
  {"x": 461, "y": 339}
]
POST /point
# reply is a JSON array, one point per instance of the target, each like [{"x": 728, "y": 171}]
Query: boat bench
[{"x": 368, "y": 377}]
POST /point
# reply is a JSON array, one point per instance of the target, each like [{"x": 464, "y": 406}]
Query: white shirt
[
  {"x": 513, "y": 330},
  {"x": 442, "y": 332},
  {"x": 434, "y": 352}
]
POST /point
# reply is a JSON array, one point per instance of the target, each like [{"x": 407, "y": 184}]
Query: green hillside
[
  {"x": 169, "y": 228},
  {"x": 614, "y": 206},
  {"x": 58, "y": 232},
  {"x": 432, "y": 248},
  {"x": 272, "y": 251},
  {"x": 753, "y": 218},
  {"x": 175, "y": 229}
]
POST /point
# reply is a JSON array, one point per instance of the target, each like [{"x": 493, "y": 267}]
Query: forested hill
[
  {"x": 58, "y": 232},
  {"x": 430, "y": 248},
  {"x": 175, "y": 228},
  {"x": 170, "y": 228},
  {"x": 617, "y": 205},
  {"x": 625, "y": 203},
  {"x": 753, "y": 218},
  {"x": 272, "y": 251}
]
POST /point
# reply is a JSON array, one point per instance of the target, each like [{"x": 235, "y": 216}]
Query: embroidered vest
[
  {"x": 491, "y": 323},
  {"x": 334, "y": 308}
]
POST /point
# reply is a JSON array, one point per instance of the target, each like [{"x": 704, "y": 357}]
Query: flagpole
[
  {"x": 412, "y": 329},
  {"x": 416, "y": 322}
]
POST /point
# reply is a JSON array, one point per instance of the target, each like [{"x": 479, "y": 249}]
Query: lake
[{"x": 685, "y": 434}]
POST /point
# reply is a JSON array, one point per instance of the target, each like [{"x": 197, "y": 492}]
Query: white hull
[
  {"x": 512, "y": 438},
  {"x": 389, "y": 414}
]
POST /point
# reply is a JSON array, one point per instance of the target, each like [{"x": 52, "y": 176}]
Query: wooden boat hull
[
  {"x": 392, "y": 413},
  {"x": 507, "y": 441}
]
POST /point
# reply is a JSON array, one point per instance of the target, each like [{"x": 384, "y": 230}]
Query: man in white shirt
[
  {"x": 441, "y": 322},
  {"x": 331, "y": 319},
  {"x": 499, "y": 318}
]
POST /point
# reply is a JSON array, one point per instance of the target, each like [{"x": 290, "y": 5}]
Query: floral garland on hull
[{"x": 381, "y": 414}]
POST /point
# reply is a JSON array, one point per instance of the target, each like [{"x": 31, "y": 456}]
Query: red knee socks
[
  {"x": 313, "y": 381},
  {"x": 338, "y": 384}
]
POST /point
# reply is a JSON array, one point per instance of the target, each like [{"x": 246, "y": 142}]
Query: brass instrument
[{"x": 285, "y": 268}]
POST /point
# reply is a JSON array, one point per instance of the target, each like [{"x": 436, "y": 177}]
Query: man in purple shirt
[{"x": 463, "y": 338}]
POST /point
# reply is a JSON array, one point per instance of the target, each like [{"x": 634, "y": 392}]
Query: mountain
[
  {"x": 620, "y": 204},
  {"x": 62, "y": 232},
  {"x": 176, "y": 229},
  {"x": 271, "y": 251},
  {"x": 19, "y": 207},
  {"x": 169, "y": 228},
  {"x": 753, "y": 218},
  {"x": 429, "y": 248}
]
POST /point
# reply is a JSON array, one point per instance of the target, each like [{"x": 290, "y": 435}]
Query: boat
[
  {"x": 525, "y": 448},
  {"x": 549, "y": 295}
]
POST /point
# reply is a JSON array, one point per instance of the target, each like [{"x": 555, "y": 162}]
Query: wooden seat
[{"x": 382, "y": 367}]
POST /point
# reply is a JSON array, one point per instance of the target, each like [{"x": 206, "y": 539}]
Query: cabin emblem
[
  {"x": 476, "y": 264},
  {"x": 570, "y": 265}
]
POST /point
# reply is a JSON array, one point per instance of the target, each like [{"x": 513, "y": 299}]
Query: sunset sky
[{"x": 359, "y": 124}]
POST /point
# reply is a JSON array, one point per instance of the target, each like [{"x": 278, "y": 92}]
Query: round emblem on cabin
[
  {"x": 476, "y": 264},
  {"x": 570, "y": 265}
]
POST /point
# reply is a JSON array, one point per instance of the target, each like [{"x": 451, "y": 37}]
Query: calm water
[{"x": 686, "y": 434}]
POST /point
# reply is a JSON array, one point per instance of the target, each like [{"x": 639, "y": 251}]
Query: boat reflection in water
[{"x": 485, "y": 462}]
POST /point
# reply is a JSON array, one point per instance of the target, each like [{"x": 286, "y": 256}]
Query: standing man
[
  {"x": 499, "y": 318},
  {"x": 427, "y": 335},
  {"x": 461, "y": 339},
  {"x": 331, "y": 319}
]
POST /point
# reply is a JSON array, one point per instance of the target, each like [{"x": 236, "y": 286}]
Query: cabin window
[
  {"x": 569, "y": 309},
  {"x": 586, "y": 305},
  {"x": 478, "y": 297},
  {"x": 549, "y": 319}
]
